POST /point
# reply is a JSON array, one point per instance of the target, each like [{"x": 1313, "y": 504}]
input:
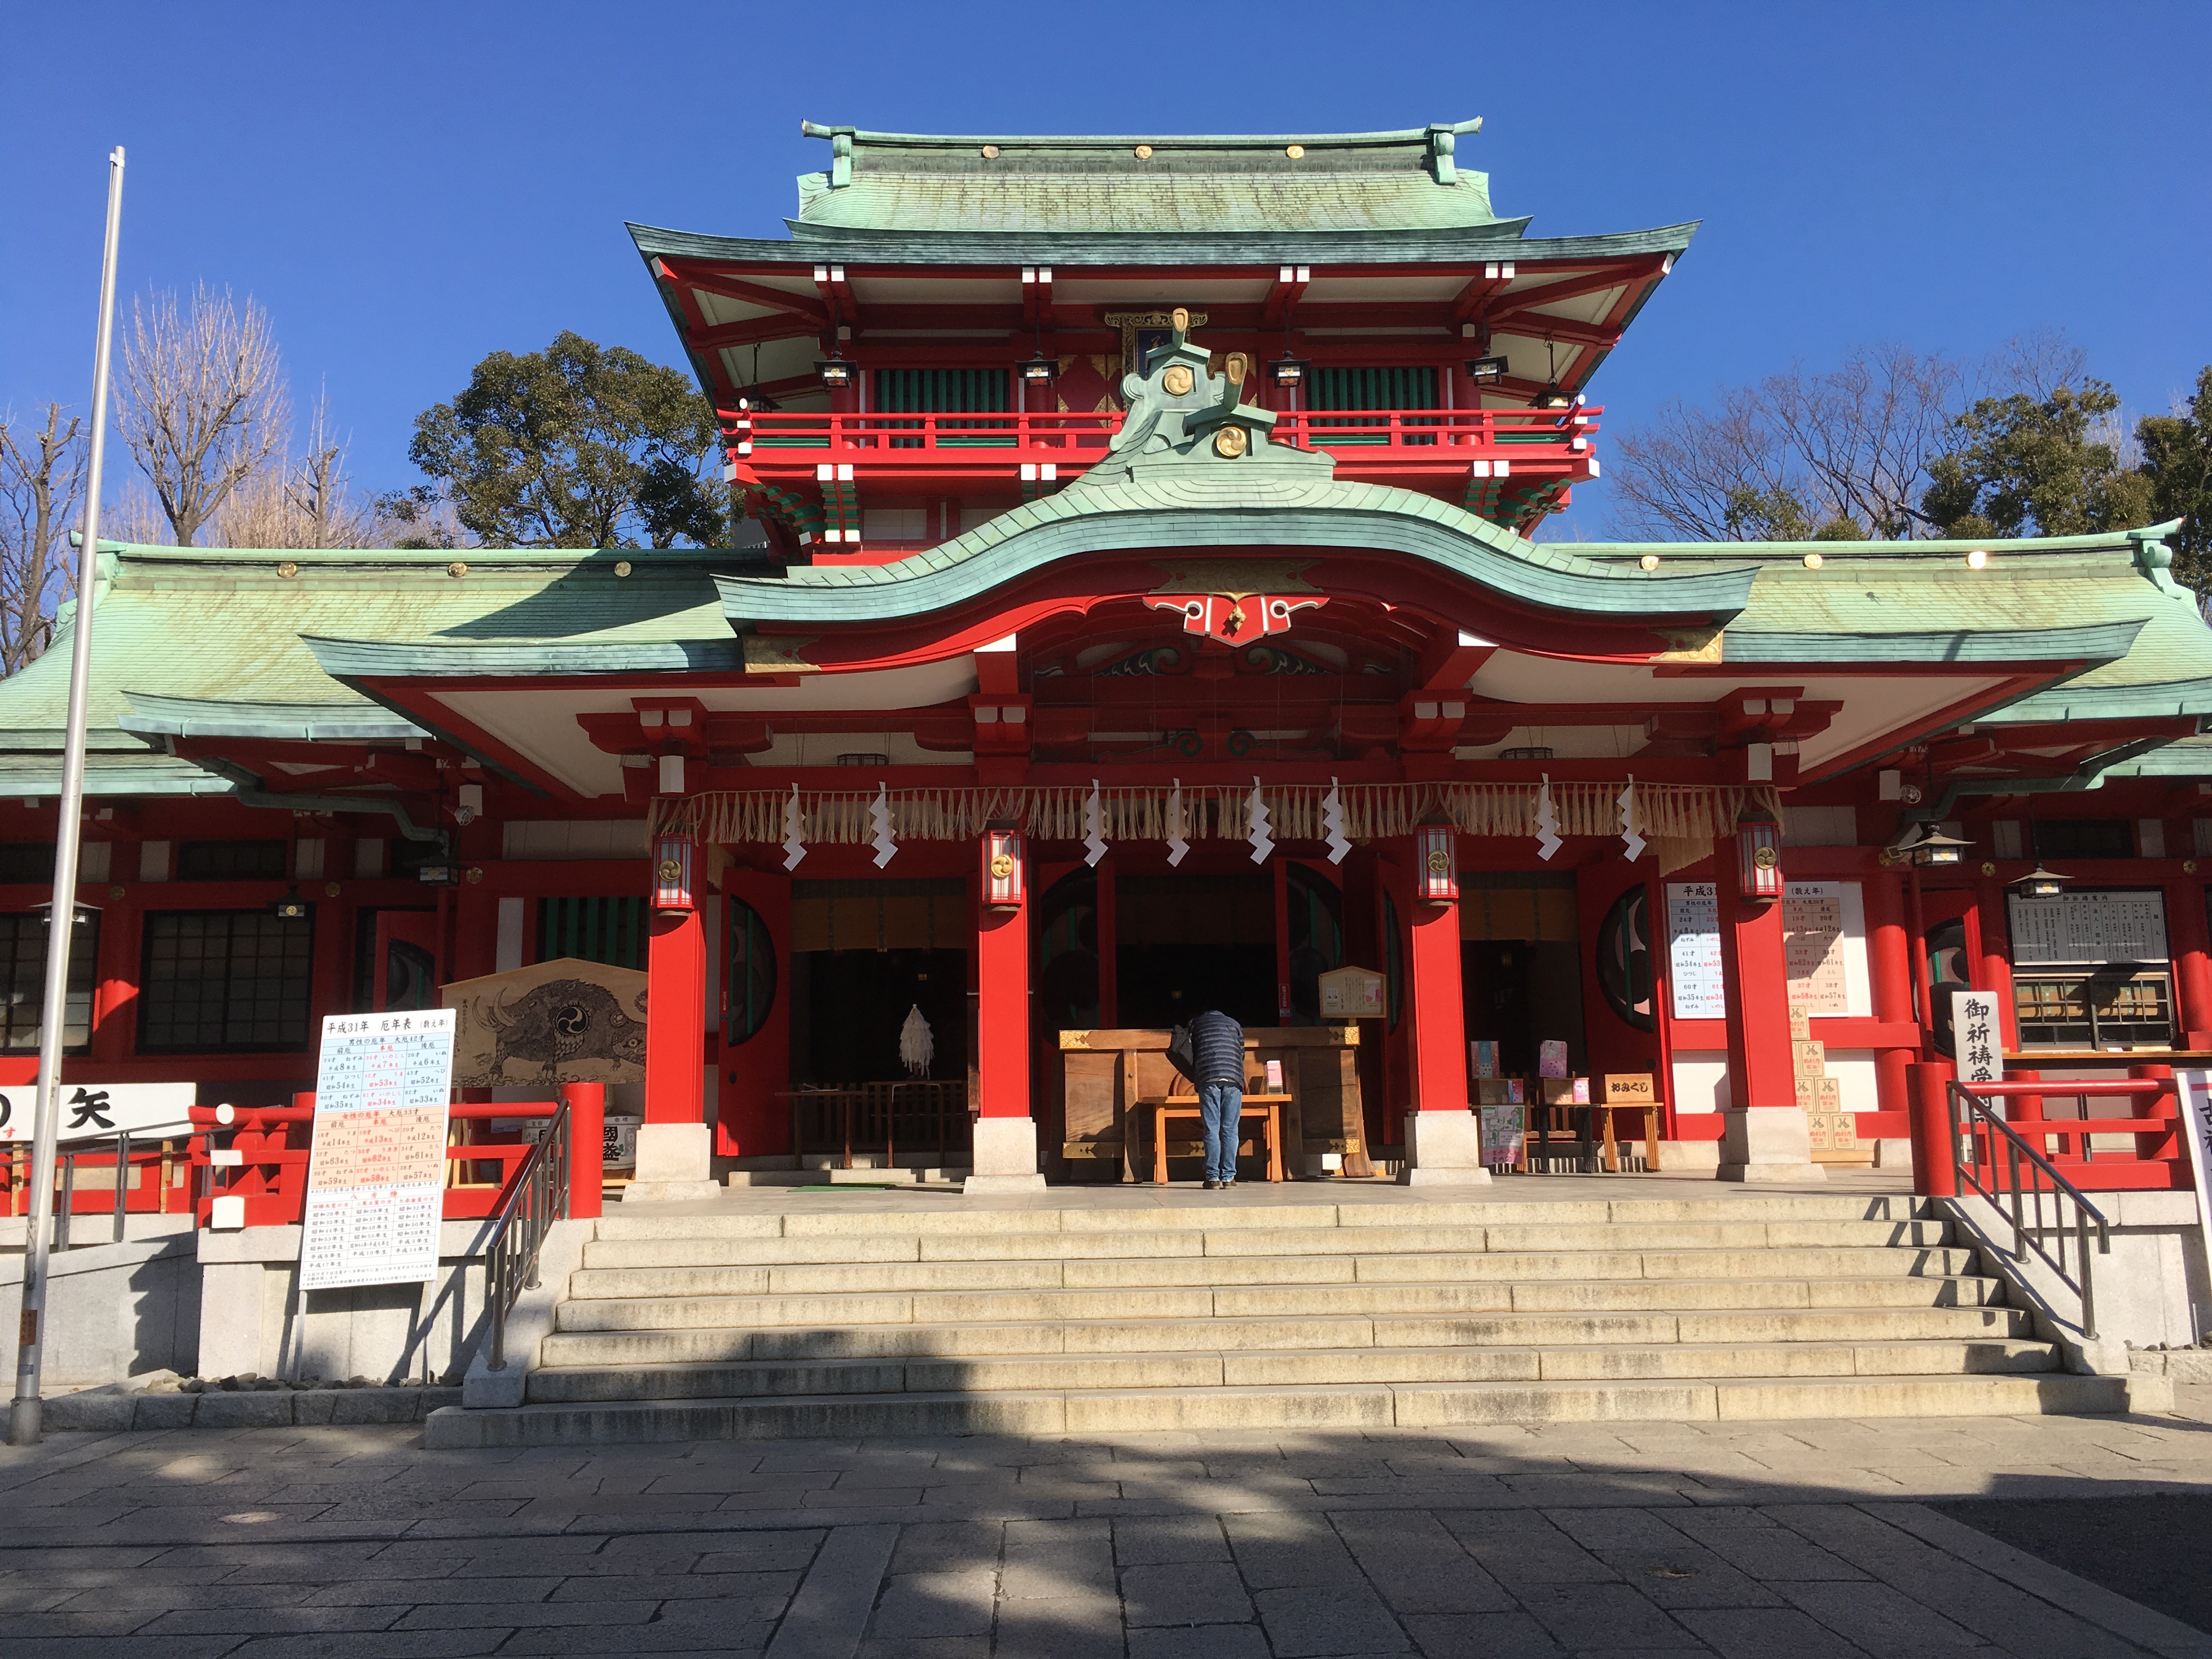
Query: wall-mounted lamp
[
  {"x": 1486, "y": 371},
  {"x": 2040, "y": 883},
  {"x": 837, "y": 373},
  {"x": 1435, "y": 864},
  {"x": 1003, "y": 870},
  {"x": 1289, "y": 371}
]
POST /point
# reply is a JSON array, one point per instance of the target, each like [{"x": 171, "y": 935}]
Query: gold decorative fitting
[
  {"x": 1765, "y": 858},
  {"x": 1228, "y": 442},
  {"x": 475, "y": 874},
  {"x": 671, "y": 872},
  {"x": 1002, "y": 867},
  {"x": 1812, "y": 562},
  {"x": 1649, "y": 562},
  {"x": 288, "y": 568},
  {"x": 1236, "y": 367},
  {"x": 2188, "y": 868},
  {"x": 330, "y": 889},
  {"x": 1177, "y": 382},
  {"x": 1988, "y": 869},
  {"x": 1296, "y": 152},
  {"x": 623, "y": 567},
  {"x": 1886, "y": 857},
  {"x": 990, "y": 152},
  {"x": 457, "y": 569},
  {"x": 1143, "y": 152},
  {"x": 1439, "y": 862},
  {"x": 1179, "y": 319},
  {"x": 116, "y": 891}
]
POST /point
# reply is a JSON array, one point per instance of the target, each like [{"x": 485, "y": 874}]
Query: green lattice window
[
  {"x": 609, "y": 930},
  {"x": 1369, "y": 389},
  {"x": 946, "y": 391}
]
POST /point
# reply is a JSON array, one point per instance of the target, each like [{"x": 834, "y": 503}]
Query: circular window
[
  {"x": 1624, "y": 959},
  {"x": 752, "y": 972}
]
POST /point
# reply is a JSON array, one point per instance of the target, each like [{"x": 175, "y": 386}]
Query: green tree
[
  {"x": 577, "y": 446},
  {"x": 2046, "y": 464},
  {"x": 2177, "y": 452}
]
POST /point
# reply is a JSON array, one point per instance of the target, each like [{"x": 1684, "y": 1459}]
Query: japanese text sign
[{"x": 376, "y": 1178}]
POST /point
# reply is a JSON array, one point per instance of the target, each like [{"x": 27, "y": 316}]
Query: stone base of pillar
[
  {"x": 1443, "y": 1149},
  {"x": 1005, "y": 1158},
  {"x": 675, "y": 1163},
  {"x": 1767, "y": 1144}
]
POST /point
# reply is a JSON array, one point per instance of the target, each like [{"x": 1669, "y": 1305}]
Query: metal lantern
[
  {"x": 1435, "y": 877},
  {"x": 674, "y": 858},
  {"x": 1004, "y": 872},
  {"x": 1759, "y": 859}
]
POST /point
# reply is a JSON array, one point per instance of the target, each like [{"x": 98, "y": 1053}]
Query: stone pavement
[{"x": 1804, "y": 1540}]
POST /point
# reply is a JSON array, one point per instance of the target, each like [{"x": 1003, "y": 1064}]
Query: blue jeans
[{"x": 1221, "y": 1106}]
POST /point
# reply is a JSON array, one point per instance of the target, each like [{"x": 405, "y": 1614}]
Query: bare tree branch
[
  {"x": 203, "y": 405},
  {"x": 42, "y": 475},
  {"x": 305, "y": 503}
]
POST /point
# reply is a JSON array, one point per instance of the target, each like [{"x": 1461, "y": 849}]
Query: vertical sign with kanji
[
  {"x": 376, "y": 1178},
  {"x": 2195, "y": 1089},
  {"x": 1979, "y": 1038}
]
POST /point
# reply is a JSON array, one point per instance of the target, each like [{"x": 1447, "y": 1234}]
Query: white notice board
[
  {"x": 1693, "y": 950},
  {"x": 1825, "y": 949},
  {"x": 376, "y": 1178},
  {"x": 2087, "y": 929}
]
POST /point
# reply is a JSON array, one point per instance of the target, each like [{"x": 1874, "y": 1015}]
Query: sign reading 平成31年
[{"x": 377, "y": 1174}]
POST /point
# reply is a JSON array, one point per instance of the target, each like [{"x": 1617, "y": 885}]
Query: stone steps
[
  {"x": 1351, "y": 1406},
  {"x": 1038, "y": 1320},
  {"x": 1204, "y": 1368}
]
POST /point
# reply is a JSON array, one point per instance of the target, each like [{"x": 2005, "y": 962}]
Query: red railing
[
  {"x": 2154, "y": 1157},
  {"x": 982, "y": 440},
  {"x": 272, "y": 1144},
  {"x": 155, "y": 1182}
]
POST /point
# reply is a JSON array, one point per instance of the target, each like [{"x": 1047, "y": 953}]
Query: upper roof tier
[{"x": 1358, "y": 181}]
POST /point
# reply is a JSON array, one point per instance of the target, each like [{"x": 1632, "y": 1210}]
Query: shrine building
[{"x": 1146, "y": 609}]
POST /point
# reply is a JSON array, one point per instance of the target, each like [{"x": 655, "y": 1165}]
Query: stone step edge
[
  {"x": 1377, "y": 1404},
  {"x": 1940, "y": 1361},
  {"x": 749, "y": 1299},
  {"x": 1567, "y": 1259}
]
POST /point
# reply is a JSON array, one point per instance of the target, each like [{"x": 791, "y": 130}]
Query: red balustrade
[
  {"x": 2155, "y": 1157},
  {"x": 273, "y": 1143}
]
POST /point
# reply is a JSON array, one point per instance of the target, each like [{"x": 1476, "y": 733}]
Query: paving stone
[
  {"x": 1198, "y": 1593},
  {"x": 1180, "y": 1539},
  {"x": 1087, "y": 1628},
  {"x": 946, "y": 1546},
  {"x": 243, "y": 1411},
  {"x": 1277, "y": 1552},
  {"x": 1883, "y": 1621},
  {"x": 930, "y": 1604},
  {"x": 1603, "y": 1617},
  {"x": 1205, "y": 1642},
  {"x": 1482, "y": 1636},
  {"x": 163, "y": 1411},
  {"x": 1763, "y": 1632},
  {"x": 1327, "y": 1619},
  {"x": 357, "y": 1406},
  {"x": 1417, "y": 1566}
]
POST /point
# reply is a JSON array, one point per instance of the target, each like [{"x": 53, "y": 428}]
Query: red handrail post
[
  {"x": 2163, "y": 1109},
  {"x": 1935, "y": 1154},
  {"x": 588, "y": 1131}
]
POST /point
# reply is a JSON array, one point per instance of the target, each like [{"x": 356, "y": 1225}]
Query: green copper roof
[
  {"x": 1371, "y": 181},
  {"x": 1499, "y": 240},
  {"x": 207, "y": 642}
]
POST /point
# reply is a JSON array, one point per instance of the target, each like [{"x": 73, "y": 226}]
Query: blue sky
[{"x": 406, "y": 187}]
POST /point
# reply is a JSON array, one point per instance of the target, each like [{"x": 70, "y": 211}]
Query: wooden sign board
[
  {"x": 1630, "y": 1089},
  {"x": 101, "y": 1111},
  {"x": 376, "y": 1176},
  {"x": 563, "y": 1021},
  {"x": 1352, "y": 993}
]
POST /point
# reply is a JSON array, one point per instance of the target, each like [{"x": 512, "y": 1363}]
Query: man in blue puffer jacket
[{"x": 1218, "y": 1044}]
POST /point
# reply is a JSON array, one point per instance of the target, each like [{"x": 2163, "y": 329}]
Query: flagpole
[{"x": 61, "y": 919}]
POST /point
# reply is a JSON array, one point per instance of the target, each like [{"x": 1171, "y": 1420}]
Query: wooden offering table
[
  {"x": 1101, "y": 1084},
  {"x": 1165, "y": 1110}
]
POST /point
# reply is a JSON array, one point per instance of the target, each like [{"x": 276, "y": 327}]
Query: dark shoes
[{"x": 1214, "y": 1186}]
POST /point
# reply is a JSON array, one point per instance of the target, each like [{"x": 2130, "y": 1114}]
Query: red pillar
[
  {"x": 1766, "y": 1136},
  {"x": 676, "y": 1019},
  {"x": 1002, "y": 974},
  {"x": 1442, "y": 1144},
  {"x": 587, "y": 1131},
  {"x": 1994, "y": 970},
  {"x": 1006, "y": 1147},
  {"x": 1892, "y": 976},
  {"x": 2192, "y": 961}
]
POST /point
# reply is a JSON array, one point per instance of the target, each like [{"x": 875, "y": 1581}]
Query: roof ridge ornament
[{"x": 1180, "y": 410}]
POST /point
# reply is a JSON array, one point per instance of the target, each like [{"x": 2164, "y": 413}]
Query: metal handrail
[
  {"x": 69, "y": 1153},
  {"x": 538, "y": 1198},
  {"x": 2028, "y": 1235}
]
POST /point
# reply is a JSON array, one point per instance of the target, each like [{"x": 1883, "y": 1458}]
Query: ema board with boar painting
[{"x": 565, "y": 1021}]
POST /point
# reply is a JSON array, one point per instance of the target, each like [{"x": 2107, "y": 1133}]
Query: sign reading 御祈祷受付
[
  {"x": 377, "y": 1174},
  {"x": 1978, "y": 1038}
]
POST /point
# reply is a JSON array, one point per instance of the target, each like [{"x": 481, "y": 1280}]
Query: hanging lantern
[
  {"x": 1436, "y": 879},
  {"x": 1003, "y": 874},
  {"x": 1759, "y": 859},
  {"x": 672, "y": 859}
]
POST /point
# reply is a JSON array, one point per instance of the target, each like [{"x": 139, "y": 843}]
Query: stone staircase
[{"x": 1294, "y": 1316}]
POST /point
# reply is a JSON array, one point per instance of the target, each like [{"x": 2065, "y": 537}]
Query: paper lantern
[
  {"x": 1436, "y": 874},
  {"x": 1759, "y": 859},
  {"x": 1004, "y": 858},
  {"x": 673, "y": 859}
]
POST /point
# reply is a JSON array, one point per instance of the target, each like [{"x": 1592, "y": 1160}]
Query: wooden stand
[{"x": 1269, "y": 1108}]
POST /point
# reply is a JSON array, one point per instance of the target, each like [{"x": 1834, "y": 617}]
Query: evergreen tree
[
  {"x": 2029, "y": 466},
  {"x": 2177, "y": 457},
  {"x": 578, "y": 446}
]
